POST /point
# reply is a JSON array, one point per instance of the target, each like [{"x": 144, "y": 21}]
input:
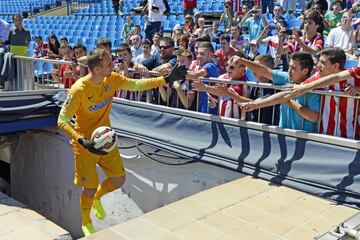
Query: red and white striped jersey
[
  {"x": 129, "y": 95},
  {"x": 227, "y": 106},
  {"x": 316, "y": 41},
  {"x": 338, "y": 113}
]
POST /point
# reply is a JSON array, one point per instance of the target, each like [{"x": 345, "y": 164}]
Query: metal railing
[
  {"x": 34, "y": 74},
  {"x": 37, "y": 74}
]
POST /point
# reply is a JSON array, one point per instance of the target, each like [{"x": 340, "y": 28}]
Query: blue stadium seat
[
  {"x": 166, "y": 26},
  {"x": 351, "y": 63},
  {"x": 295, "y": 23},
  {"x": 263, "y": 49},
  {"x": 73, "y": 40},
  {"x": 38, "y": 68},
  {"x": 117, "y": 43},
  {"x": 47, "y": 68}
]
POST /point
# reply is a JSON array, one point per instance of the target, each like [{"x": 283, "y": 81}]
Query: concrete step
[{"x": 19, "y": 222}]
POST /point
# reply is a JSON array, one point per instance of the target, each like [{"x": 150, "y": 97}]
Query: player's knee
[
  {"x": 118, "y": 181},
  {"x": 89, "y": 192}
]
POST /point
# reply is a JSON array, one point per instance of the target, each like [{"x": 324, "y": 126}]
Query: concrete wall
[{"x": 42, "y": 178}]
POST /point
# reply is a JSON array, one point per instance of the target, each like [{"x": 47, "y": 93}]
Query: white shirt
[
  {"x": 338, "y": 38},
  {"x": 154, "y": 50},
  {"x": 4, "y": 30},
  {"x": 140, "y": 58},
  {"x": 136, "y": 51},
  {"x": 156, "y": 16},
  {"x": 272, "y": 42}
]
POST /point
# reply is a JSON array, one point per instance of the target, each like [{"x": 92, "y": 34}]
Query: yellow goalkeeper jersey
[{"x": 91, "y": 104}]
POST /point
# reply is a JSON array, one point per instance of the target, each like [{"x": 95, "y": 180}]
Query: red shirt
[
  {"x": 227, "y": 106},
  {"x": 68, "y": 82},
  {"x": 189, "y": 27},
  {"x": 338, "y": 113},
  {"x": 41, "y": 50},
  {"x": 187, "y": 4}
]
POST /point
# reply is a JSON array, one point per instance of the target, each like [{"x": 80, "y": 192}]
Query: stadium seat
[
  {"x": 263, "y": 49},
  {"x": 295, "y": 23},
  {"x": 351, "y": 63}
]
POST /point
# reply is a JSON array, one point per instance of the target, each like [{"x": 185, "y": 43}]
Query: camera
[{"x": 288, "y": 31}]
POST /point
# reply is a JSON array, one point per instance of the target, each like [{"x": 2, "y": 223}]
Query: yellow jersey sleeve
[
  {"x": 136, "y": 84},
  {"x": 68, "y": 110}
]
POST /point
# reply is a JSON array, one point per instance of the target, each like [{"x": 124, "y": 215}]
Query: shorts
[{"x": 85, "y": 167}]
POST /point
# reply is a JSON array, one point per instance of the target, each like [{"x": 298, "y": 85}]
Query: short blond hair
[{"x": 95, "y": 57}]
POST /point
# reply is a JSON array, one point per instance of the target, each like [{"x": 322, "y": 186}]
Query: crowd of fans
[{"x": 258, "y": 42}]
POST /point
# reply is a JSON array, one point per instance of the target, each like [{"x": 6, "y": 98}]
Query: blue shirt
[
  {"x": 273, "y": 23},
  {"x": 255, "y": 27},
  {"x": 212, "y": 71},
  {"x": 290, "y": 118},
  {"x": 155, "y": 60}
]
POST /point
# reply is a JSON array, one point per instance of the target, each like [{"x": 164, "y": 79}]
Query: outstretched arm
[
  {"x": 221, "y": 90},
  {"x": 324, "y": 81},
  {"x": 255, "y": 67},
  {"x": 285, "y": 96},
  {"x": 177, "y": 73},
  {"x": 263, "y": 34}
]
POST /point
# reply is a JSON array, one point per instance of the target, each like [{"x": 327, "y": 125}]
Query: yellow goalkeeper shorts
[{"x": 85, "y": 167}]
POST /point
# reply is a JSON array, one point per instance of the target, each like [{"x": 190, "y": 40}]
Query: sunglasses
[
  {"x": 233, "y": 67},
  {"x": 164, "y": 47}
]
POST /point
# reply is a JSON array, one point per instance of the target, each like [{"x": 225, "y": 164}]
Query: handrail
[
  {"x": 28, "y": 80},
  {"x": 277, "y": 87},
  {"x": 57, "y": 61}
]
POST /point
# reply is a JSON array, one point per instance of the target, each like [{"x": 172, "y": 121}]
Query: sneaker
[
  {"x": 121, "y": 13},
  {"x": 88, "y": 229},
  {"x": 99, "y": 210}
]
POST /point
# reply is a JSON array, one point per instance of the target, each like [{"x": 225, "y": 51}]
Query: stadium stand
[{"x": 19, "y": 6}]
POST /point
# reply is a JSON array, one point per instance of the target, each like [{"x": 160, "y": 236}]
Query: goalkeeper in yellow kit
[{"x": 90, "y": 99}]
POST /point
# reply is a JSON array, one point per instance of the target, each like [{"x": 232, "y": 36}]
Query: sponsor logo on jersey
[{"x": 100, "y": 105}]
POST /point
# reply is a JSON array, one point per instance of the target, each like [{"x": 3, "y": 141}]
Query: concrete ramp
[
  {"x": 246, "y": 208},
  {"x": 18, "y": 222}
]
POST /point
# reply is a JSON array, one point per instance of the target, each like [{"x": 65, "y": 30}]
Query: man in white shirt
[
  {"x": 341, "y": 36},
  {"x": 156, "y": 9},
  {"x": 136, "y": 49},
  {"x": 4, "y": 34}
]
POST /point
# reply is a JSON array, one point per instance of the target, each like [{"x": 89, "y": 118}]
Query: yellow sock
[
  {"x": 85, "y": 206},
  {"x": 105, "y": 187}
]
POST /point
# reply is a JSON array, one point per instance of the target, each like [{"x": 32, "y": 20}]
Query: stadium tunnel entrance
[{"x": 41, "y": 170}]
